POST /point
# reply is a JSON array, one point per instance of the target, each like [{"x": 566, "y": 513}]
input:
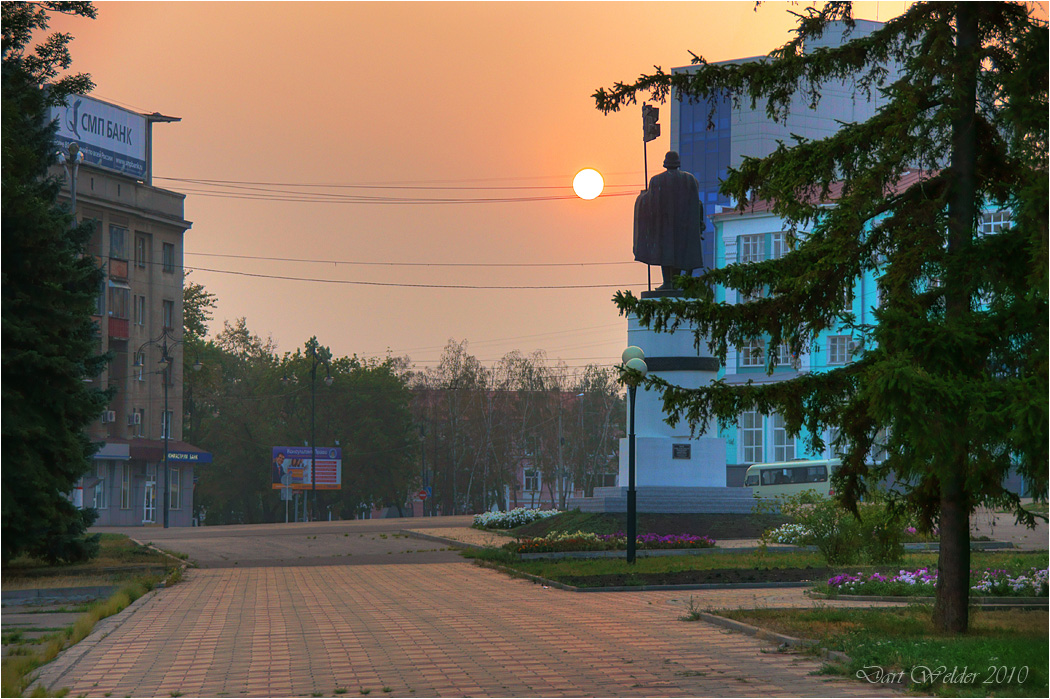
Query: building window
[
  {"x": 878, "y": 446},
  {"x": 838, "y": 349},
  {"x": 100, "y": 300},
  {"x": 100, "y": 487},
  {"x": 783, "y": 356},
  {"x": 994, "y": 221},
  {"x": 747, "y": 296},
  {"x": 847, "y": 301},
  {"x": 165, "y": 425},
  {"x": 168, "y": 256},
  {"x": 750, "y": 248},
  {"x": 780, "y": 245},
  {"x": 531, "y": 479},
  {"x": 169, "y": 314},
  {"x": 140, "y": 363},
  {"x": 119, "y": 300},
  {"x": 141, "y": 251},
  {"x": 753, "y": 354},
  {"x": 783, "y": 445},
  {"x": 837, "y": 452},
  {"x": 174, "y": 487},
  {"x": 140, "y": 310},
  {"x": 140, "y": 422},
  {"x": 125, "y": 486},
  {"x": 751, "y": 437},
  {"x": 117, "y": 242}
]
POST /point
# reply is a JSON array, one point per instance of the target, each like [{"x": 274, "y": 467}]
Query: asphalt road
[{"x": 351, "y": 542}]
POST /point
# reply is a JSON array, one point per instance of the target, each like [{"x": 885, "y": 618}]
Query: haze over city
[{"x": 468, "y": 122}]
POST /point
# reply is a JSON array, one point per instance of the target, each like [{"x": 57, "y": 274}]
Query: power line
[
  {"x": 243, "y": 184},
  {"x": 411, "y": 286},
  {"x": 416, "y": 184},
  {"x": 412, "y": 264},
  {"x": 320, "y": 198}
]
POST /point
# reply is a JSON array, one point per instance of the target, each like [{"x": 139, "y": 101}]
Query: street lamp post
[
  {"x": 71, "y": 159},
  {"x": 634, "y": 363},
  {"x": 166, "y": 420},
  {"x": 312, "y": 351}
]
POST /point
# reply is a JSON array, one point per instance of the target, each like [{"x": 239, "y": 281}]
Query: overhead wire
[
  {"x": 410, "y": 264},
  {"x": 404, "y": 285}
]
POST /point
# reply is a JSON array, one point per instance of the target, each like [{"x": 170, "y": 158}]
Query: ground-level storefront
[{"x": 125, "y": 487}]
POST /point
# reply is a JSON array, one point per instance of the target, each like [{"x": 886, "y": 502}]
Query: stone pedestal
[{"x": 668, "y": 456}]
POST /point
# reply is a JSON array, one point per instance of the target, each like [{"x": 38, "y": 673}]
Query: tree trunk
[{"x": 951, "y": 608}]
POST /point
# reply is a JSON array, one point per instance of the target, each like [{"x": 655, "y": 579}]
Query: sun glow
[{"x": 588, "y": 183}]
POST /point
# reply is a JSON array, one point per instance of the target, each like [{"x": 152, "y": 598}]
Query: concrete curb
[
  {"x": 980, "y": 602},
  {"x": 778, "y": 638},
  {"x": 52, "y": 673},
  {"x": 640, "y": 588},
  {"x": 442, "y": 540},
  {"x": 65, "y": 661}
]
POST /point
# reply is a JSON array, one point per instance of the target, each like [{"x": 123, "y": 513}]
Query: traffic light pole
[{"x": 650, "y": 132}]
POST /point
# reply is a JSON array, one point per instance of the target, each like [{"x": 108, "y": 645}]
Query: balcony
[
  {"x": 118, "y": 269},
  {"x": 118, "y": 328}
]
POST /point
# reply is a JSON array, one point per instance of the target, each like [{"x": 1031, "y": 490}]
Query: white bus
[{"x": 791, "y": 477}]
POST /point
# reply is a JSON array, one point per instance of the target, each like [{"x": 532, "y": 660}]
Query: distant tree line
[{"x": 460, "y": 427}]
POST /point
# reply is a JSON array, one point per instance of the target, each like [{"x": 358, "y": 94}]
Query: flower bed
[
  {"x": 559, "y": 542},
  {"x": 923, "y": 582},
  {"x": 508, "y": 520}
]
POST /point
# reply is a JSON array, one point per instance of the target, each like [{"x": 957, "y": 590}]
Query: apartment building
[{"x": 138, "y": 241}]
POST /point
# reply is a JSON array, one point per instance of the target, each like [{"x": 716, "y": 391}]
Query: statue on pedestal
[{"x": 669, "y": 222}]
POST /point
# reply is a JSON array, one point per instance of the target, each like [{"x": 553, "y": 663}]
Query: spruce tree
[
  {"x": 50, "y": 287},
  {"x": 955, "y": 370}
]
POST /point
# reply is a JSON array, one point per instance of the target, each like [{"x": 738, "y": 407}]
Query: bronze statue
[{"x": 669, "y": 222}]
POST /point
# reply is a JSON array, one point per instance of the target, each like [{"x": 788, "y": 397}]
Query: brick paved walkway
[{"x": 441, "y": 629}]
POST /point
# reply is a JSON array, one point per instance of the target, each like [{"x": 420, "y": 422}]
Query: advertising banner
[
  {"x": 109, "y": 137},
  {"x": 293, "y": 467}
]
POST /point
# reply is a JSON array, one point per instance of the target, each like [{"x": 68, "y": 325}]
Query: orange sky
[{"x": 475, "y": 95}]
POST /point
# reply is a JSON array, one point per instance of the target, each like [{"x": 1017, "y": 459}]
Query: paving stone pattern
[{"x": 440, "y": 629}]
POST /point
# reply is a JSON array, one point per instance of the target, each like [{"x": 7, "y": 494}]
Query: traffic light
[{"x": 650, "y": 123}]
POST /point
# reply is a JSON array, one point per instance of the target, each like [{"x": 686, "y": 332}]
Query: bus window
[{"x": 751, "y": 480}]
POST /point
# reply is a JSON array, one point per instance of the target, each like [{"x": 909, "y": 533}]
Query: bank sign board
[
  {"x": 292, "y": 467},
  {"x": 109, "y": 137}
]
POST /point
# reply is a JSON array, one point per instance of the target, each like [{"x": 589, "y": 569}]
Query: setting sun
[{"x": 588, "y": 183}]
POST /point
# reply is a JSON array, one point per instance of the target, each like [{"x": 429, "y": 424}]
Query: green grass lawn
[
  {"x": 1003, "y": 654},
  {"x": 119, "y": 559},
  {"x": 565, "y": 569}
]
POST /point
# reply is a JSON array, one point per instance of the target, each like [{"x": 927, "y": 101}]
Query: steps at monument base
[{"x": 669, "y": 500}]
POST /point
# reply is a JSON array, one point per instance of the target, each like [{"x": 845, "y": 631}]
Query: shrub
[
  {"x": 794, "y": 534},
  {"x": 842, "y": 538},
  {"x": 508, "y": 520}
]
